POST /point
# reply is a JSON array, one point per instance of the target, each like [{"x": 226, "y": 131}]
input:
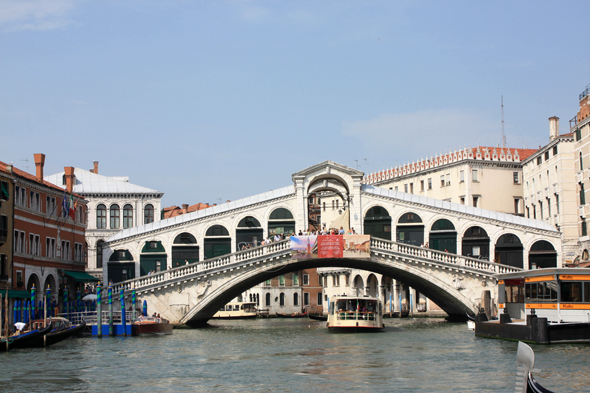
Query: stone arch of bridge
[{"x": 442, "y": 292}]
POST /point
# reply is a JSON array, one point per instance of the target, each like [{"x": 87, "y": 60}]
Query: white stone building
[{"x": 113, "y": 204}]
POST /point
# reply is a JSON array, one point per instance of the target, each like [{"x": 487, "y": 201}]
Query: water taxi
[
  {"x": 151, "y": 326},
  {"x": 355, "y": 314},
  {"x": 541, "y": 306},
  {"x": 237, "y": 310}
]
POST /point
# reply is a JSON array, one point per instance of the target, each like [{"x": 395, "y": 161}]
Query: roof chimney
[
  {"x": 69, "y": 172},
  {"x": 184, "y": 208},
  {"x": 39, "y": 163},
  {"x": 553, "y": 127},
  {"x": 95, "y": 170}
]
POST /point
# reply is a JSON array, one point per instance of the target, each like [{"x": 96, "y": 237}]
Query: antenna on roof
[
  {"x": 503, "y": 135},
  {"x": 25, "y": 166}
]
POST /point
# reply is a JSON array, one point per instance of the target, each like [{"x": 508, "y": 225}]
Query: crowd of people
[{"x": 278, "y": 237}]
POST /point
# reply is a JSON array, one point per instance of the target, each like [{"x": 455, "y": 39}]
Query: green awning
[
  {"x": 16, "y": 294},
  {"x": 81, "y": 276}
]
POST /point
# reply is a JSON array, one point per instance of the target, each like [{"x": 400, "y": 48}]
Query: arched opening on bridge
[
  {"x": 410, "y": 229},
  {"x": 153, "y": 258},
  {"x": 281, "y": 222},
  {"x": 476, "y": 243},
  {"x": 542, "y": 255},
  {"x": 120, "y": 266},
  {"x": 249, "y": 233},
  {"x": 184, "y": 250},
  {"x": 358, "y": 286},
  {"x": 509, "y": 251},
  {"x": 217, "y": 241},
  {"x": 378, "y": 223},
  {"x": 443, "y": 236},
  {"x": 372, "y": 286},
  {"x": 327, "y": 203}
]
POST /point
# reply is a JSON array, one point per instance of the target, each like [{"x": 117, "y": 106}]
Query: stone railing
[
  {"x": 440, "y": 256},
  {"x": 194, "y": 269}
]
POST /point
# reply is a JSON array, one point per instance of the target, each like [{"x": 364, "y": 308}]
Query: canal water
[{"x": 292, "y": 355}]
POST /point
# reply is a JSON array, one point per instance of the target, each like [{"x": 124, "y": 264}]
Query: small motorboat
[
  {"x": 294, "y": 315},
  {"x": 525, "y": 363},
  {"x": 151, "y": 326},
  {"x": 23, "y": 340},
  {"x": 317, "y": 317}
]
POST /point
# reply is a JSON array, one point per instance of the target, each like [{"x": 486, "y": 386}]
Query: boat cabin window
[
  {"x": 575, "y": 292},
  {"x": 236, "y": 307},
  {"x": 514, "y": 294},
  {"x": 228, "y": 307},
  {"x": 541, "y": 291}
]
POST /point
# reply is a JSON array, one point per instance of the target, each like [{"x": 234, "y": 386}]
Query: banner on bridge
[{"x": 331, "y": 246}]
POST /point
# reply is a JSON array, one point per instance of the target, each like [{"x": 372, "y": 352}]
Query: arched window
[
  {"x": 267, "y": 299},
  {"x": 148, "y": 214},
  {"x": 295, "y": 299},
  {"x": 127, "y": 216},
  {"x": 282, "y": 299},
  {"x": 101, "y": 216},
  {"x": 115, "y": 217},
  {"x": 99, "y": 254}
]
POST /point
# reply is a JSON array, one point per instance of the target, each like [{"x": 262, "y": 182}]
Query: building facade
[{"x": 113, "y": 204}]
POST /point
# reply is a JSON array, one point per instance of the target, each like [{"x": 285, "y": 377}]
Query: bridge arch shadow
[{"x": 440, "y": 285}]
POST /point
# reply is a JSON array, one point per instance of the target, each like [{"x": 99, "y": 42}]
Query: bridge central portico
[{"x": 198, "y": 266}]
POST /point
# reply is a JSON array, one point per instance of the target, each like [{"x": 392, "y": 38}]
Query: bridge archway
[
  {"x": 281, "y": 221},
  {"x": 378, "y": 223},
  {"x": 217, "y": 241},
  {"x": 509, "y": 250},
  {"x": 120, "y": 266},
  {"x": 475, "y": 243},
  {"x": 443, "y": 236},
  {"x": 184, "y": 249},
  {"x": 249, "y": 232},
  {"x": 428, "y": 281},
  {"x": 410, "y": 229},
  {"x": 542, "y": 255},
  {"x": 153, "y": 258},
  {"x": 372, "y": 286}
]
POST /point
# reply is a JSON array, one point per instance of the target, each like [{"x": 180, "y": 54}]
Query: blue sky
[{"x": 209, "y": 101}]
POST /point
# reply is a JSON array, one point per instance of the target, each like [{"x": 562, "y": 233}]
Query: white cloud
[
  {"x": 18, "y": 15},
  {"x": 410, "y": 136}
]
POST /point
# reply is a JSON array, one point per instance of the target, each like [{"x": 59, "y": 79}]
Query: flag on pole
[
  {"x": 64, "y": 206},
  {"x": 72, "y": 212}
]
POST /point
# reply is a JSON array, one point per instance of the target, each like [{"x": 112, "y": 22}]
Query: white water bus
[
  {"x": 237, "y": 310},
  {"x": 355, "y": 314}
]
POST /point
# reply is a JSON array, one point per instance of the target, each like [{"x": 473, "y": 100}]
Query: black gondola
[
  {"x": 23, "y": 340},
  {"x": 57, "y": 335},
  {"x": 525, "y": 361},
  {"x": 318, "y": 317}
]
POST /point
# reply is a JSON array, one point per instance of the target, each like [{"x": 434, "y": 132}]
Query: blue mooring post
[
  {"x": 65, "y": 308},
  {"x": 33, "y": 316},
  {"x": 145, "y": 308},
  {"x": 133, "y": 303},
  {"x": 110, "y": 293},
  {"x": 123, "y": 317},
  {"x": 98, "y": 313}
]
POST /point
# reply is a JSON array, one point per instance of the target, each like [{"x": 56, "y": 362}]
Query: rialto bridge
[{"x": 188, "y": 266}]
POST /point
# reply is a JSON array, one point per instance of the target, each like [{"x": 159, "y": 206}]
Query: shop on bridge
[
  {"x": 217, "y": 241},
  {"x": 443, "y": 236},
  {"x": 121, "y": 266},
  {"x": 153, "y": 258},
  {"x": 476, "y": 243},
  {"x": 410, "y": 229},
  {"x": 378, "y": 223},
  {"x": 249, "y": 232},
  {"x": 281, "y": 221},
  {"x": 185, "y": 250}
]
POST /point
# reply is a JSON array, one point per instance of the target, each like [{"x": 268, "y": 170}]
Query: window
[
  {"x": 406, "y": 188},
  {"x": 528, "y": 212},
  {"x": 557, "y": 203},
  {"x": 516, "y": 205},
  {"x": 571, "y": 292},
  {"x": 267, "y": 283},
  {"x": 581, "y": 162},
  {"x": 549, "y": 207},
  {"x": 115, "y": 216},
  {"x": 442, "y": 180},
  {"x": 99, "y": 245},
  {"x": 541, "y": 209},
  {"x": 282, "y": 299},
  {"x": 324, "y": 205},
  {"x": 421, "y": 185},
  {"x": 584, "y": 228},
  {"x": 546, "y": 155},
  {"x": 3, "y": 228},
  {"x": 411, "y": 188},
  {"x": 320, "y": 299},
  {"x": 396, "y": 188},
  {"x": 582, "y": 195},
  {"x": 448, "y": 179},
  {"x": 430, "y": 183},
  {"x": 461, "y": 176},
  {"x": 282, "y": 280},
  {"x": 127, "y": 216},
  {"x": 295, "y": 299},
  {"x": 4, "y": 195},
  {"x": 516, "y": 177},
  {"x": 539, "y": 160},
  {"x": 475, "y": 200},
  {"x": 462, "y": 200},
  {"x": 32, "y": 197},
  {"x": 17, "y": 195},
  {"x": 554, "y": 150},
  {"x": 306, "y": 279},
  {"x": 267, "y": 299},
  {"x": 295, "y": 280},
  {"x": 306, "y": 298},
  {"x": 3, "y": 270},
  {"x": 101, "y": 217},
  {"x": 148, "y": 214},
  {"x": 474, "y": 176},
  {"x": 534, "y": 212},
  {"x": 578, "y": 133}
]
